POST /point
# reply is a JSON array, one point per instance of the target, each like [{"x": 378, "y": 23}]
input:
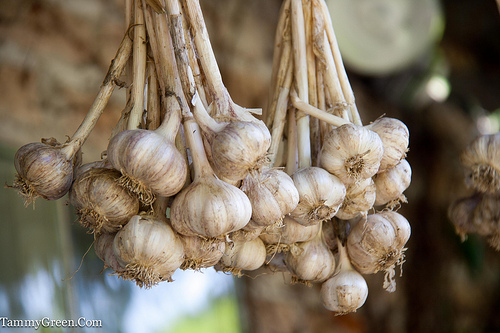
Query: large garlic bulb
[
  {"x": 395, "y": 139},
  {"x": 346, "y": 291},
  {"x": 320, "y": 195},
  {"x": 243, "y": 256},
  {"x": 377, "y": 244},
  {"x": 352, "y": 153},
  {"x": 359, "y": 198},
  {"x": 272, "y": 194},
  {"x": 149, "y": 251},
  {"x": 481, "y": 160},
  {"x": 200, "y": 253},
  {"x": 392, "y": 183}
]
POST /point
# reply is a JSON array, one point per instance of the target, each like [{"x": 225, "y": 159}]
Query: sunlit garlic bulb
[
  {"x": 320, "y": 195},
  {"x": 243, "y": 256},
  {"x": 481, "y": 160},
  {"x": 359, "y": 198},
  {"x": 102, "y": 204},
  {"x": 103, "y": 246},
  {"x": 200, "y": 253},
  {"x": 149, "y": 251},
  {"x": 351, "y": 153},
  {"x": 44, "y": 169},
  {"x": 272, "y": 194},
  {"x": 392, "y": 183},
  {"x": 395, "y": 139},
  {"x": 346, "y": 291},
  {"x": 377, "y": 244}
]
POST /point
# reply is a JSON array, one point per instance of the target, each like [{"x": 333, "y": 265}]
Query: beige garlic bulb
[
  {"x": 461, "y": 213},
  {"x": 481, "y": 160},
  {"x": 149, "y": 251},
  {"x": 351, "y": 153},
  {"x": 377, "y": 244},
  {"x": 320, "y": 195},
  {"x": 272, "y": 194},
  {"x": 247, "y": 233},
  {"x": 208, "y": 207},
  {"x": 44, "y": 169},
  {"x": 392, "y": 183},
  {"x": 395, "y": 139},
  {"x": 359, "y": 198},
  {"x": 313, "y": 262},
  {"x": 289, "y": 232},
  {"x": 346, "y": 291},
  {"x": 149, "y": 160},
  {"x": 243, "y": 256},
  {"x": 103, "y": 246},
  {"x": 101, "y": 203},
  {"x": 486, "y": 219},
  {"x": 200, "y": 253}
]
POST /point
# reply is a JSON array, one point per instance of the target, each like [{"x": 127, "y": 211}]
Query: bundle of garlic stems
[{"x": 200, "y": 179}]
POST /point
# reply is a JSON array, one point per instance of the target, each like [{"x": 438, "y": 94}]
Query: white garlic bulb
[
  {"x": 392, "y": 183},
  {"x": 395, "y": 139},
  {"x": 243, "y": 256},
  {"x": 247, "y": 233},
  {"x": 200, "y": 253},
  {"x": 351, "y": 153},
  {"x": 149, "y": 251},
  {"x": 320, "y": 195},
  {"x": 359, "y": 198}
]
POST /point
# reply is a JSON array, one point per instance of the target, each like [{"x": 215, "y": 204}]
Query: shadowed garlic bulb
[
  {"x": 200, "y": 253},
  {"x": 392, "y": 183},
  {"x": 460, "y": 213},
  {"x": 243, "y": 256},
  {"x": 103, "y": 246},
  {"x": 395, "y": 139},
  {"x": 351, "y": 153},
  {"x": 359, "y": 198},
  {"x": 486, "y": 219},
  {"x": 320, "y": 195},
  {"x": 149, "y": 251}
]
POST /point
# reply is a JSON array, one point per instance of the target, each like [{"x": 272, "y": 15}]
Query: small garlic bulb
[
  {"x": 351, "y": 153},
  {"x": 43, "y": 170},
  {"x": 395, "y": 139},
  {"x": 320, "y": 195},
  {"x": 243, "y": 256},
  {"x": 272, "y": 194},
  {"x": 149, "y": 251},
  {"x": 377, "y": 244},
  {"x": 359, "y": 198},
  {"x": 481, "y": 160},
  {"x": 289, "y": 232},
  {"x": 247, "y": 233},
  {"x": 392, "y": 183},
  {"x": 103, "y": 246},
  {"x": 200, "y": 253},
  {"x": 346, "y": 291}
]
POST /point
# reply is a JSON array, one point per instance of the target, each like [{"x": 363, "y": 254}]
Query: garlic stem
[
  {"x": 139, "y": 69},
  {"x": 171, "y": 122},
  {"x": 195, "y": 144},
  {"x": 102, "y": 98},
  {"x": 315, "y": 112},
  {"x": 153, "y": 119},
  {"x": 344, "y": 262},
  {"x": 291, "y": 162}
]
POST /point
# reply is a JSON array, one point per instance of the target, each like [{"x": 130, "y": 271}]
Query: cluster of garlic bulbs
[
  {"x": 479, "y": 213},
  {"x": 192, "y": 180}
]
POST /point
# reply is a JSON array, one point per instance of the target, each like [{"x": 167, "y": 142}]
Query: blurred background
[{"x": 433, "y": 64}]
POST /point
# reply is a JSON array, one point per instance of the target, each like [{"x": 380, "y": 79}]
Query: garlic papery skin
[
  {"x": 243, "y": 256},
  {"x": 43, "y": 170},
  {"x": 392, "y": 183},
  {"x": 351, "y": 153},
  {"x": 200, "y": 253},
  {"x": 320, "y": 195},
  {"x": 377, "y": 244},
  {"x": 208, "y": 207},
  {"x": 149, "y": 160},
  {"x": 103, "y": 245},
  {"x": 272, "y": 194},
  {"x": 346, "y": 291},
  {"x": 359, "y": 198},
  {"x": 313, "y": 262},
  {"x": 395, "y": 139},
  {"x": 102, "y": 204},
  {"x": 481, "y": 160},
  {"x": 149, "y": 250}
]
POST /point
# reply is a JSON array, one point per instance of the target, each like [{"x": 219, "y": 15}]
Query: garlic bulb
[
  {"x": 346, "y": 291},
  {"x": 103, "y": 246},
  {"x": 486, "y": 219},
  {"x": 460, "y": 213},
  {"x": 320, "y": 195},
  {"x": 200, "y": 253},
  {"x": 377, "y": 244},
  {"x": 208, "y": 207},
  {"x": 272, "y": 194},
  {"x": 44, "y": 169},
  {"x": 313, "y": 262},
  {"x": 149, "y": 160},
  {"x": 359, "y": 198},
  {"x": 351, "y": 153},
  {"x": 243, "y": 256},
  {"x": 102, "y": 204},
  {"x": 395, "y": 139},
  {"x": 481, "y": 160},
  {"x": 149, "y": 251},
  {"x": 247, "y": 233},
  {"x": 392, "y": 183}
]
